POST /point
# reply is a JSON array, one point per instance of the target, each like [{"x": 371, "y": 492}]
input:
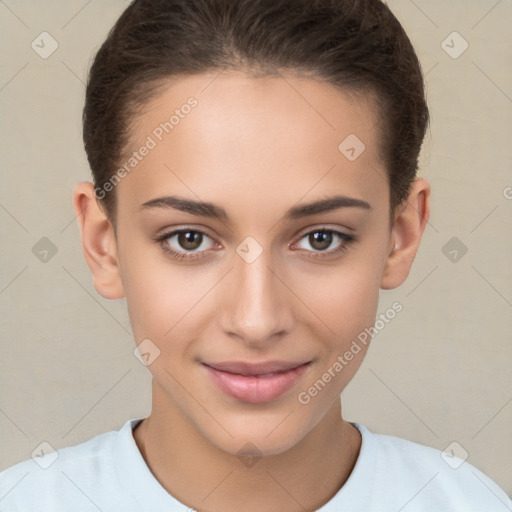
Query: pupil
[
  {"x": 189, "y": 240},
  {"x": 320, "y": 240}
]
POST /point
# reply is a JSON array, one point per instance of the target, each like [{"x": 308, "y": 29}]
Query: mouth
[{"x": 256, "y": 383}]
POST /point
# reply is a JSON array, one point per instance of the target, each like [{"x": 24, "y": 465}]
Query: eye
[
  {"x": 186, "y": 243},
  {"x": 191, "y": 244},
  {"x": 327, "y": 242}
]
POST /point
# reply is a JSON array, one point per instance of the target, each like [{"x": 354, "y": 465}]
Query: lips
[
  {"x": 254, "y": 370},
  {"x": 256, "y": 383}
]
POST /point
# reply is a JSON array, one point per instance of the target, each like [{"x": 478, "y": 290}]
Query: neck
[{"x": 207, "y": 478}]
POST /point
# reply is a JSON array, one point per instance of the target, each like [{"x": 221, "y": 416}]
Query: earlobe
[
  {"x": 410, "y": 221},
  {"x": 98, "y": 242}
]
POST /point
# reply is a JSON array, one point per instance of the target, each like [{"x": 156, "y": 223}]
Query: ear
[
  {"x": 98, "y": 242},
  {"x": 410, "y": 220}
]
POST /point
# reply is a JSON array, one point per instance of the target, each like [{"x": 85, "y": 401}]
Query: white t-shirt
[{"x": 108, "y": 474}]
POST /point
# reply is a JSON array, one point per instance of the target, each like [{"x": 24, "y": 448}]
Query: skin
[{"x": 255, "y": 147}]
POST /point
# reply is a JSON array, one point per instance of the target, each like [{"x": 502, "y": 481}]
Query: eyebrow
[{"x": 206, "y": 209}]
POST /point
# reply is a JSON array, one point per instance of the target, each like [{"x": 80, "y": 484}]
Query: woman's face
[{"x": 256, "y": 283}]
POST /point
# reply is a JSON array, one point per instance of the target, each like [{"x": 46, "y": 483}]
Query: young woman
[{"x": 255, "y": 186}]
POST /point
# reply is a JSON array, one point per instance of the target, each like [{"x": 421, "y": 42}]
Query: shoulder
[
  {"x": 426, "y": 475},
  {"x": 68, "y": 475},
  {"x": 50, "y": 463}
]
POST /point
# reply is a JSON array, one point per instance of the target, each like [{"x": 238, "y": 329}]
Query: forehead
[{"x": 268, "y": 138}]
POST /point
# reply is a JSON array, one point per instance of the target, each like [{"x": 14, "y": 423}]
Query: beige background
[{"x": 439, "y": 372}]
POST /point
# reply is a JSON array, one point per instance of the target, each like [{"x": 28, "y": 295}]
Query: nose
[{"x": 257, "y": 308}]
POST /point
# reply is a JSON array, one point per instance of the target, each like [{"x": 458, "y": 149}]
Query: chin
[
  {"x": 265, "y": 436},
  {"x": 255, "y": 444}
]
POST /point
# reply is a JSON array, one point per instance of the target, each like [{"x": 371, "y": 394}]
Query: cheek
[
  {"x": 346, "y": 311},
  {"x": 171, "y": 306},
  {"x": 155, "y": 295},
  {"x": 160, "y": 303},
  {"x": 344, "y": 301},
  {"x": 344, "y": 298},
  {"x": 347, "y": 304}
]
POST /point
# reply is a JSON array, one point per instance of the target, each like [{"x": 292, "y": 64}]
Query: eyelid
[
  {"x": 325, "y": 227},
  {"x": 174, "y": 230}
]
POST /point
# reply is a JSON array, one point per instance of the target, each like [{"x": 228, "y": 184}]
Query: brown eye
[
  {"x": 323, "y": 243},
  {"x": 190, "y": 240},
  {"x": 320, "y": 240},
  {"x": 186, "y": 242}
]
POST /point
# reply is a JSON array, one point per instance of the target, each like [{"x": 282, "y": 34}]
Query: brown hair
[{"x": 357, "y": 45}]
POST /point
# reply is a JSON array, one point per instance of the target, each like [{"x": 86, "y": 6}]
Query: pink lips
[{"x": 255, "y": 383}]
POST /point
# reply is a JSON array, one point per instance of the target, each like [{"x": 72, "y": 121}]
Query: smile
[{"x": 255, "y": 383}]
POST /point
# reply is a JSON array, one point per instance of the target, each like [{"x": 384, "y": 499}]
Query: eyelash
[{"x": 348, "y": 240}]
